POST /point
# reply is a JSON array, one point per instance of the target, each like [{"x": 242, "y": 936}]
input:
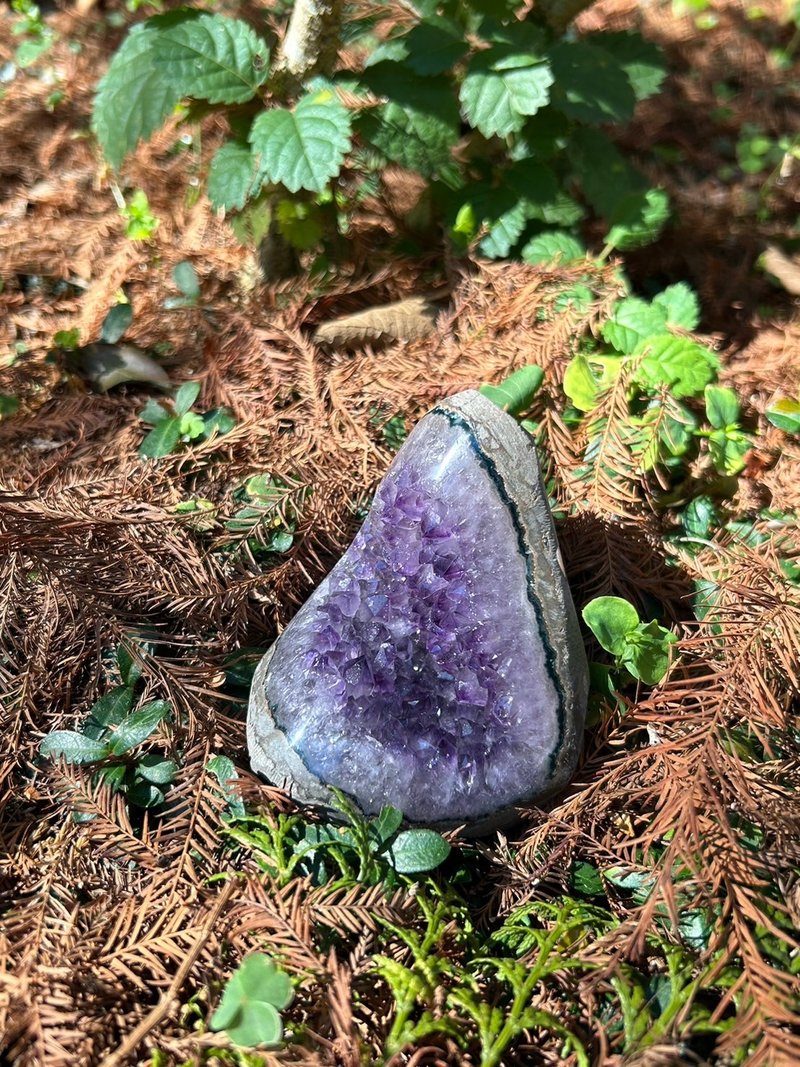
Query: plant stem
[{"x": 311, "y": 43}]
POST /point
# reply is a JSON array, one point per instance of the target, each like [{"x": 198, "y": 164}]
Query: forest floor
[{"x": 121, "y": 921}]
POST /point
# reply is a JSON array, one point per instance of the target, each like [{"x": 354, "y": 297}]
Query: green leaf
[
  {"x": 785, "y": 414},
  {"x": 700, "y": 517},
  {"x": 230, "y": 176},
  {"x": 167, "y": 58},
  {"x": 728, "y": 448},
  {"x": 218, "y": 421},
  {"x": 633, "y": 319},
  {"x": 224, "y": 771},
  {"x": 638, "y": 219},
  {"x": 586, "y": 880},
  {"x": 557, "y": 246},
  {"x": 681, "y": 305},
  {"x": 281, "y": 541},
  {"x": 496, "y": 99},
  {"x": 590, "y": 86},
  {"x": 9, "y": 405},
  {"x": 683, "y": 365},
  {"x": 605, "y": 175},
  {"x": 253, "y": 996},
  {"x": 192, "y": 425},
  {"x": 300, "y": 223},
  {"x": 642, "y": 61},
  {"x": 434, "y": 46},
  {"x": 301, "y": 148},
  {"x": 185, "y": 277},
  {"x": 140, "y": 222},
  {"x": 646, "y": 653},
  {"x": 129, "y": 669},
  {"x": 581, "y": 385},
  {"x": 419, "y": 126},
  {"x": 74, "y": 747},
  {"x": 109, "y": 710},
  {"x": 516, "y": 393},
  {"x": 153, "y": 413},
  {"x": 144, "y": 794},
  {"x": 611, "y": 619},
  {"x": 722, "y": 406},
  {"x": 185, "y": 397},
  {"x": 414, "y": 851},
  {"x": 116, "y": 322},
  {"x": 504, "y": 232},
  {"x": 639, "y": 883},
  {"x": 156, "y": 769},
  {"x": 387, "y": 822},
  {"x": 138, "y": 727}
]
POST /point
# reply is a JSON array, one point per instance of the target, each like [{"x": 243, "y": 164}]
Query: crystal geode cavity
[{"x": 439, "y": 667}]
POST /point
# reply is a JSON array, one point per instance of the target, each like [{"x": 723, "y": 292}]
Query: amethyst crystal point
[{"x": 439, "y": 667}]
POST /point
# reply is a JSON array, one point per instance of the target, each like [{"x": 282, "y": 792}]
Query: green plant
[
  {"x": 181, "y": 424},
  {"x": 642, "y": 648},
  {"x": 39, "y": 37},
  {"x": 522, "y": 102},
  {"x": 111, "y": 733},
  {"x": 785, "y": 414},
  {"x": 361, "y": 850},
  {"x": 185, "y": 278},
  {"x": 253, "y": 997},
  {"x": 140, "y": 222}
]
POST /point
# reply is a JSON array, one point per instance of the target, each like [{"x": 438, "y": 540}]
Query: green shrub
[{"x": 503, "y": 118}]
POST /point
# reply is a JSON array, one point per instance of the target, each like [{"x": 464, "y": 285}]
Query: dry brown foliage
[{"x": 112, "y": 929}]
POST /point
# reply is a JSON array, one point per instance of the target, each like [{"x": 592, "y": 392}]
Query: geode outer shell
[{"x": 439, "y": 667}]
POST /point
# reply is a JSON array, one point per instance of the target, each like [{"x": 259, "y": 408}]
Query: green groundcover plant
[{"x": 504, "y": 119}]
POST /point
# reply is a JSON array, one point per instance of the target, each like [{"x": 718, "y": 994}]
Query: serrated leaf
[
  {"x": 167, "y": 58},
  {"x": 633, "y": 319},
  {"x": 504, "y": 232},
  {"x": 230, "y": 176},
  {"x": 590, "y": 86},
  {"x": 638, "y": 219},
  {"x": 434, "y": 46},
  {"x": 611, "y": 619},
  {"x": 516, "y": 393},
  {"x": 415, "y": 851},
  {"x": 722, "y": 406},
  {"x": 553, "y": 247},
  {"x": 642, "y": 61},
  {"x": 301, "y": 148},
  {"x": 683, "y": 365},
  {"x": 497, "y": 101},
  {"x": 605, "y": 175},
  {"x": 728, "y": 449},
  {"x": 418, "y": 126},
  {"x": 74, "y": 747},
  {"x": 185, "y": 397},
  {"x": 681, "y": 305},
  {"x": 585, "y": 879},
  {"x": 136, "y": 728}
]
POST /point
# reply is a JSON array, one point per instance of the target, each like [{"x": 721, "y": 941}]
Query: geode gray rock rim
[{"x": 439, "y": 667}]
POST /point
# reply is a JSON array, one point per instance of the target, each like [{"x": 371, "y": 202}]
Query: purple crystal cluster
[{"x": 417, "y": 673}]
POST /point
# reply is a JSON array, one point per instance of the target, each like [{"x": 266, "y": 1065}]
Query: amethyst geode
[{"x": 439, "y": 667}]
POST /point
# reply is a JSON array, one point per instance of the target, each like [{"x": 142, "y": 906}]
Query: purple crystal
[{"x": 438, "y": 668}]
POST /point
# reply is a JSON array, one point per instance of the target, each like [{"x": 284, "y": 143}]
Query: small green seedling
[
  {"x": 254, "y": 996},
  {"x": 728, "y": 443},
  {"x": 182, "y": 424},
  {"x": 112, "y": 730},
  {"x": 140, "y": 222},
  {"x": 642, "y": 648}
]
